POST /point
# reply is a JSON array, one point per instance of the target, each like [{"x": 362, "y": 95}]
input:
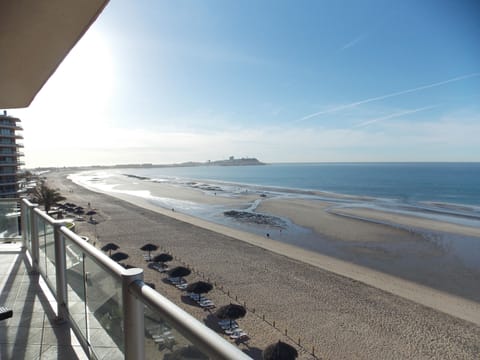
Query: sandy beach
[{"x": 337, "y": 308}]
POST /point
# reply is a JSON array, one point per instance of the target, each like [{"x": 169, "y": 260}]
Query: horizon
[
  {"x": 147, "y": 165},
  {"x": 363, "y": 82}
]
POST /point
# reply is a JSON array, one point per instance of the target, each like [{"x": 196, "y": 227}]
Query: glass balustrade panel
[
  {"x": 104, "y": 311},
  {"x": 41, "y": 244},
  {"x": 50, "y": 256},
  {"x": 75, "y": 274},
  {"x": 28, "y": 227},
  {"x": 163, "y": 341}
]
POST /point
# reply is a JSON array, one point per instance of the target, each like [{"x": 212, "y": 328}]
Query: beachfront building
[{"x": 10, "y": 155}]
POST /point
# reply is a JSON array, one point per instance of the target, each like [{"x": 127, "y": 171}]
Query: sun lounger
[
  {"x": 158, "y": 267},
  {"x": 238, "y": 335},
  {"x": 182, "y": 286},
  {"x": 205, "y": 302},
  {"x": 207, "y": 305},
  {"x": 227, "y": 322},
  {"x": 147, "y": 257},
  {"x": 177, "y": 280},
  {"x": 232, "y": 331},
  {"x": 233, "y": 325},
  {"x": 159, "y": 341},
  {"x": 5, "y": 313}
]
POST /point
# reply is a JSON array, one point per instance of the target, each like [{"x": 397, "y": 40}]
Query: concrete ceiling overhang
[{"x": 35, "y": 37}]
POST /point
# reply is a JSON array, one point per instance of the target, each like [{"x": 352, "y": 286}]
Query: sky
[{"x": 283, "y": 81}]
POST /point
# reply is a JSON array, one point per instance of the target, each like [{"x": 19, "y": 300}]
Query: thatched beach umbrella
[
  {"x": 163, "y": 258},
  {"x": 149, "y": 248},
  {"x": 280, "y": 351},
  {"x": 199, "y": 287},
  {"x": 231, "y": 312},
  {"x": 119, "y": 256},
  {"x": 109, "y": 247},
  {"x": 179, "y": 271}
]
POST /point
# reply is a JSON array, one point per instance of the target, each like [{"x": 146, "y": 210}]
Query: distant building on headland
[
  {"x": 9, "y": 155},
  {"x": 231, "y": 161}
]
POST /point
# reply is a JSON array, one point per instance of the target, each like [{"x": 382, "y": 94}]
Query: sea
[
  {"x": 450, "y": 183},
  {"x": 440, "y": 191},
  {"x": 446, "y": 192}
]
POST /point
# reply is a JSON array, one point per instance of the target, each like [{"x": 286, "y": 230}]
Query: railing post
[
  {"x": 133, "y": 317},
  {"x": 34, "y": 239},
  {"x": 60, "y": 272},
  {"x": 23, "y": 221}
]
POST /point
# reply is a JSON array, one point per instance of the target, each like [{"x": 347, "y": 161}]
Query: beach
[{"x": 338, "y": 309}]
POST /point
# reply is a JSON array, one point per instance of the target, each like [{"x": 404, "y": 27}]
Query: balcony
[
  {"x": 85, "y": 304},
  {"x": 11, "y": 162},
  {"x": 8, "y": 125},
  {"x": 10, "y": 152}
]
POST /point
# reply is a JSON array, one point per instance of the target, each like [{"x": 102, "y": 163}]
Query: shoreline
[{"x": 276, "y": 277}]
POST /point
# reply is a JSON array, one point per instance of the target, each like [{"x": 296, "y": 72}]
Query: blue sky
[{"x": 172, "y": 81}]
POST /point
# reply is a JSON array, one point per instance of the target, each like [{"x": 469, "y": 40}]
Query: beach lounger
[
  {"x": 227, "y": 327},
  {"x": 158, "y": 267},
  {"x": 232, "y": 331},
  {"x": 205, "y": 302},
  {"x": 227, "y": 322},
  {"x": 5, "y": 313},
  {"x": 147, "y": 257},
  {"x": 194, "y": 296},
  {"x": 238, "y": 335},
  {"x": 182, "y": 286},
  {"x": 176, "y": 280},
  {"x": 207, "y": 305}
]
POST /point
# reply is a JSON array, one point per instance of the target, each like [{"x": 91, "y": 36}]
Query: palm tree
[{"x": 46, "y": 196}]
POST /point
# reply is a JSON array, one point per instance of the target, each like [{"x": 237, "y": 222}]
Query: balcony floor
[{"x": 32, "y": 332}]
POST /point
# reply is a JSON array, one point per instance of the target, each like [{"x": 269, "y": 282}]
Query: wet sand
[{"x": 337, "y": 307}]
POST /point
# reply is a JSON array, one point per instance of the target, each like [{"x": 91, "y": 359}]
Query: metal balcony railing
[{"x": 109, "y": 307}]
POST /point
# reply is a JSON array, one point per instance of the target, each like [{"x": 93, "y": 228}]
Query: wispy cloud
[
  {"x": 353, "y": 42},
  {"x": 394, "y": 115},
  {"x": 387, "y": 96}
]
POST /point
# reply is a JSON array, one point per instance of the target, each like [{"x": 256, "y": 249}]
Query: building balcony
[
  {"x": 72, "y": 300},
  {"x": 8, "y": 194},
  {"x": 6, "y": 125},
  {"x": 11, "y": 136},
  {"x": 12, "y": 163},
  {"x": 9, "y": 182}
]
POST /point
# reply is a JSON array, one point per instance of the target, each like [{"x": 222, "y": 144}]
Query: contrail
[
  {"x": 394, "y": 115},
  {"x": 353, "y": 42},
  {"x": 366, "y": 101}
]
